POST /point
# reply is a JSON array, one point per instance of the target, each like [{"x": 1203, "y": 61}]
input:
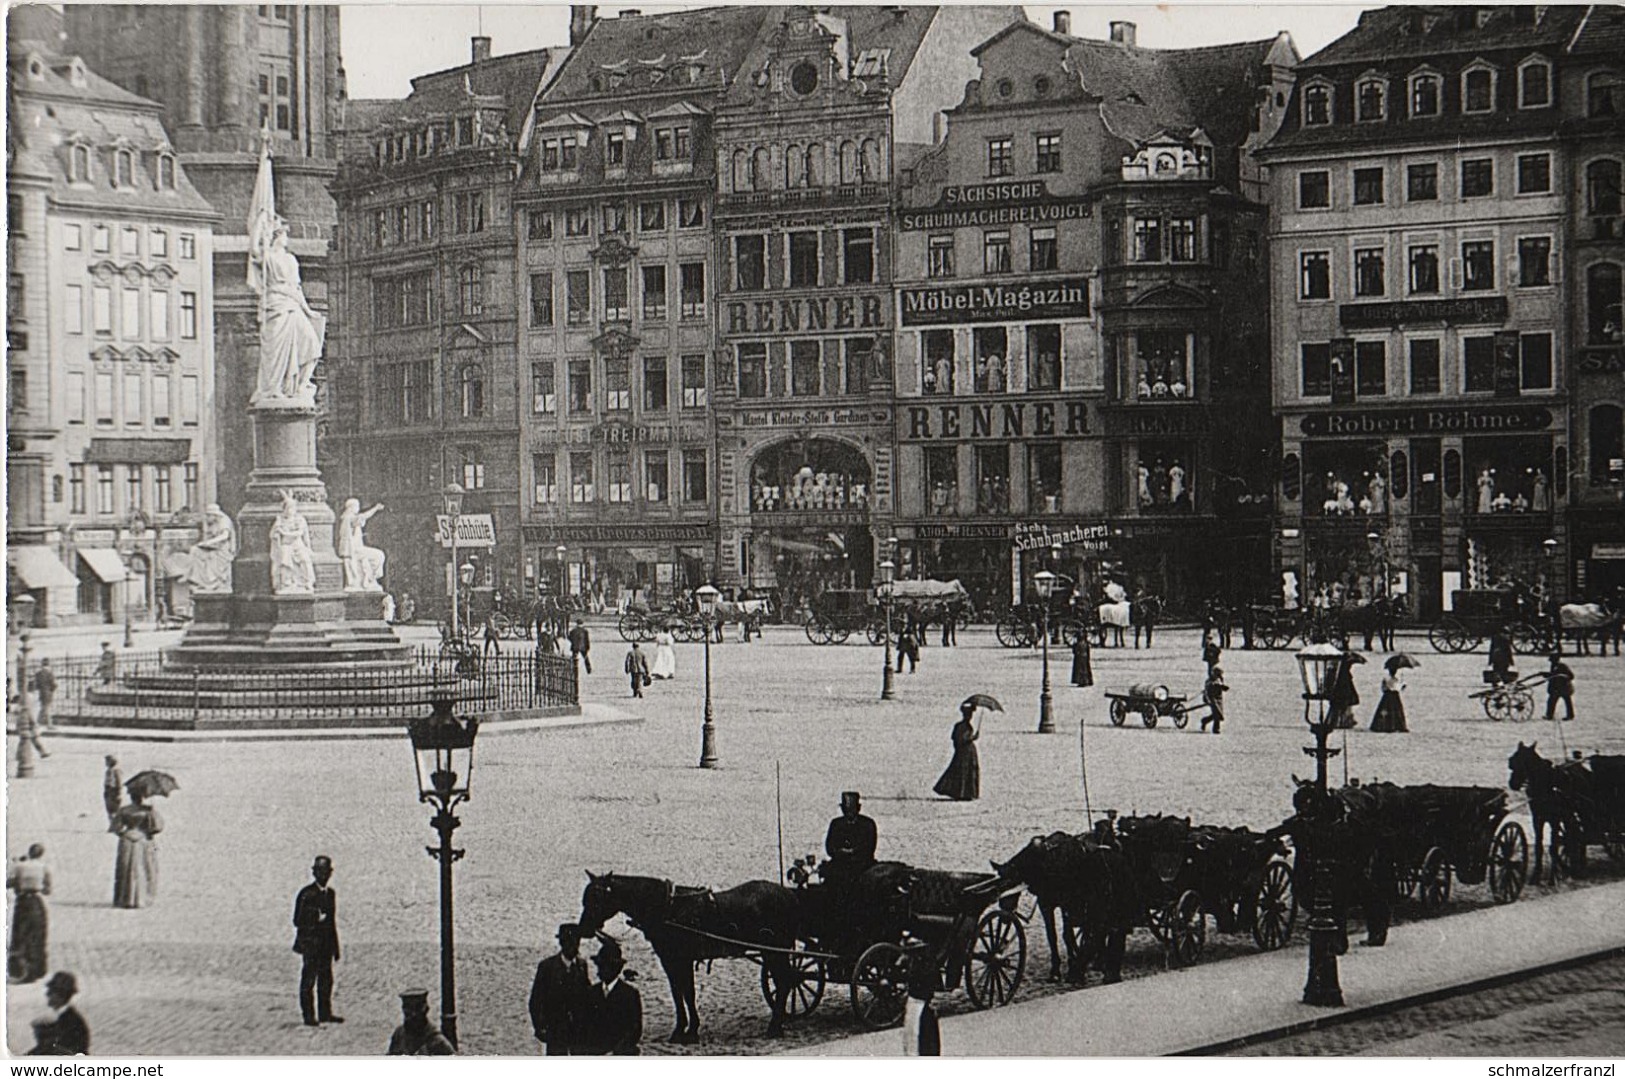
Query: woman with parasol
[
  {"x": 135, "y": 873},
  {"x": 1390, "y": 714},
  {"x": 963, "y": 779}
]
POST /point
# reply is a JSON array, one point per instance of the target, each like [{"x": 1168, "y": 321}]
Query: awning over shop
[
  {"x": 39, "y": 567},
  {"x": 105, "y": 564}
]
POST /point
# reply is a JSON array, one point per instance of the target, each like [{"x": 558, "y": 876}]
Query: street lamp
[
  {"x": 443, "y": 751},
  {"x": 25, "y": 719},
  {"x": 1320, "y": 666},
  {"x": 1045, "y": 582},
  {"x": 887, "y": 570},
  {"x": 559, "y": 552},
  {"x": 452, "y": 497},
  {"x": 707, "y": 598},
  {"x": 1379, "y": 553}
]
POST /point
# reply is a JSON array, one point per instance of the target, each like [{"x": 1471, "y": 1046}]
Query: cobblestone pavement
[
  {"x": 208, "y": 969},
  {"x": 1570, "y": 1013}
]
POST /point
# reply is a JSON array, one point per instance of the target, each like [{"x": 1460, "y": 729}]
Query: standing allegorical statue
[
  {"x": 210, "y": 571},
  {"x": 293, "y": 571},
  {"x": 291, "y": 334},
  {"x": 363, "y": 565}
]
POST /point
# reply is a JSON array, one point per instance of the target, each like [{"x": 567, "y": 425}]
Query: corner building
[
  {"x": 807, "y": 144},
  {"x": 1081, "y": 319},
  {"x": 1422, "y": 347},
  {"x": 613, "y": 213}
]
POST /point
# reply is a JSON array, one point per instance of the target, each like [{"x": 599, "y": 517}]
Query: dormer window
[
  {"x": 79, "y": 163},
  {"x": 672, "y": 143},
  {"x": 166, "y": 172},
  {"x": 1534, "y": 84},
  {"x": 465, "y": 131},
  {"x": 1478, "y": 89},
  {"x": 1424, "y": 95},
  {"x": 1317, "y": 105},
  {"x": 615, "y": 149},
  {"x": 1370, "y": 100},
  {"x": 123, "y": 168},
  {"x": 560, "y": 154}
]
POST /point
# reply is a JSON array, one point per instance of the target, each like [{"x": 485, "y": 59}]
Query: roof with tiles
[
  {"x": 1601, "y": 33},
  {"x": 658, "y": 54},
  {"x": 885, "y": 39},
  {"x": 55, "y": 101},
  {"x": 1425, "y": 31}
]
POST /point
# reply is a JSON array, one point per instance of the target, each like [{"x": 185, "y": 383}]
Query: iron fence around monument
[{"x": 148, "y": 691}]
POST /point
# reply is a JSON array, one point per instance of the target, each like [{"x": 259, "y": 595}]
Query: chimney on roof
[
  {"x": 1063, "y": 22},
  {"x": 582, "y": 16},
  {"x": 1123, "y": 33},
  {"x": 481, "y": 48}
]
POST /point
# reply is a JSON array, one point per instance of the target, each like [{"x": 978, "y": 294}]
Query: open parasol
[
  {"x": 982, "y": 700},
  {"x": 1399, "y": 661},
  {"x": 150, "y": 783},
  {"x": 1354, "y": 658}
]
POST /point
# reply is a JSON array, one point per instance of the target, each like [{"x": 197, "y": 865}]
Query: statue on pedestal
[
  {"x": 293, "y": 572},
  {"x": 210, "y": 571},
  {"x": 291, "y": 334},
  {"x": 363, "y": 565}
]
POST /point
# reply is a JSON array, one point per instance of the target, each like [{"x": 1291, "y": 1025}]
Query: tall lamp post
[
  {"x": 452, "y": 497},
  {"x": 707, "y": 598},
  {"x": 1045, "y": 580},
  {"x": 559, "y": 552},
  {"x": 1548, "y": 547},
  {"x": 1320, "y": 666},
  {"x": 443, "y": 751},
  {"x": 888, "y": 570},
  {"x": 25, "y": 718}
]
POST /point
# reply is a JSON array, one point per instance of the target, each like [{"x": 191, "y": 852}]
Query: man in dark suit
[
  {"x": 66, "y": 1034},
  {"x": 316, "y": 938},
  {"x": 615, "y": 1024},
  {"x": 559, "y": 994},
  {"x": 581, "y": 645}
]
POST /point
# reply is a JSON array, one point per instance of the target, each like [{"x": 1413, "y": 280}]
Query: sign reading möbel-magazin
[{"x": 946, "y": 304}]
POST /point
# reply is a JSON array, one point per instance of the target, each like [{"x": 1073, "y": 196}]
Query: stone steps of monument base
[
  {"x": 308, "y": 698},
  {"x": 293, "y": 657},
  {"x": 245, "y": 719},
  {"x": 373, "y": 678}
]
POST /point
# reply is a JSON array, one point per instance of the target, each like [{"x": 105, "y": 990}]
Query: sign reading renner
[{"x": 936, "y": 306}]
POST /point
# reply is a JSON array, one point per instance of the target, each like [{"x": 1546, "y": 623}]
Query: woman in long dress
[
  {"x": 135, "y": 874},
  {"x": 664, "y": 664},
  {"x": 1082, "y": 670},
  {"x": 1390, "y": 714},
  {"x": 1344, "y": 697},
  {"x": 963, "y": 780},
  {"x": 30, "y": 878}
]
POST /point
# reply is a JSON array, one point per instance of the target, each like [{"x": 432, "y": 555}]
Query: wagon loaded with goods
[
  {"x": 1152, "y": 702},
  {"x": 927, "y": 602}
]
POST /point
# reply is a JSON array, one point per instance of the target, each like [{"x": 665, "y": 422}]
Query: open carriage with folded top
[{"x": 969, "y": 921}]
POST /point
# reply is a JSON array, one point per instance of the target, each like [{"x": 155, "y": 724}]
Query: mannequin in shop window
[
  {"x": 1144, "y": 388},
  {"x": 1159, "y": 388},
  {"x": 1377, "y": 492},
  {"x": 1178, "y": 387},
  {"x": 1486, "y": 490},
  {"x": 1176, "y": 484},
  {"x": 945, "y": 375},
  {"x": 1144, "y": 480},
  {"x": 1541, "y": 503}
]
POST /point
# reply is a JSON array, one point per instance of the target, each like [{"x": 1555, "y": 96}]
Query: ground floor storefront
[
  {"x": 606, "y": 566},
  {"x": 1598, "y": 543}
]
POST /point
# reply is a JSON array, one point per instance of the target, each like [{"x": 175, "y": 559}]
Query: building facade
[
  {"x": 110, "y": 347},
  {"x": 1081, "y": 322},
  {"x": 1591, "y": 90},
  {"x": 424, "y": 361},
  {"x": 1423, "y": 357},
  {"x": 806, "y": 150},
  {"x": 223, "y": 73},
  {"x": 617, "y": 353}
]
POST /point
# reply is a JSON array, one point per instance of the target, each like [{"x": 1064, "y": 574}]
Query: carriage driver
[{"x": 849, "y": 844}]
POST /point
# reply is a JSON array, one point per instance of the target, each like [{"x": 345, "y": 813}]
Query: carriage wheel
[
  {"x": 502, "y": 623},
  {"x": 1529, "y": 639},
  {"x": 879, "y": 985},
  {"x": 1181, "y": 716},
  {"x": 647, "y": 631},
  {"x": 806, "y": 988},
  {"x": 686, "y": 631},
  {"x": 1148, "y": 716},
  {"x": 1509, "y": 862},
  {"x": 1449, "y": 635},
  {"x": 1187, "y": 929},
  {"x": 1071, "y": 630},
  {"x": 839, "y": 634},
  {"x": 996, "y": 959},
  {"x": 1434, "y": 886},
  {"x": 1119, "y": 711},
  {"x": 1498, "y": 704},
  {"x": 877, "y": 634},
  {"x": 815, "y": 632},
  {"x": 1009, "y": 631},
  {"x": 628, "y": 626},
  {"x": 1275, "y": 908},
  {"x": 1156, "y": 920},
  {"x": 1521, "y": 703}
]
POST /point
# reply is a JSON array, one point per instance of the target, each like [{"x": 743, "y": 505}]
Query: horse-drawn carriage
[
  {"x": 1479, "y": 613},
  {"x": 640, "y": 622},
  {"x": 1579, "y": 802},
  {"x": 837, "y": 613},
  {"x": 1023, "y": 625},
  {"x": 925, "y": 603}
]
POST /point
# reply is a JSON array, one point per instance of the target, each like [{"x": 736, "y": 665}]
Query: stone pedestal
[{"x": 252, "y": 626}]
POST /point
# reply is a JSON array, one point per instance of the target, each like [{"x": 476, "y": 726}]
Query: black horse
[
  {"x": 1093, "y": 887},
  {"x": 1562, "y": 796},
  {"x": 687, "y": 925}
]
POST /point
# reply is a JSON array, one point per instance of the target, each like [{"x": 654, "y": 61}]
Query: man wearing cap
[
  {"x": 416, "y": 1036},
  {"x": 65, "y": 1033},
  {"x": 559, "y": 994},
  {"x": 316, "y": 938},
  {"x": 112, "y": 789},
  {"x": 615, "y": 1020}
]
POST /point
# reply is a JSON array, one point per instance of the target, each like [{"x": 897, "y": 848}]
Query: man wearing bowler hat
[
  {"x": 65, "y": 1033},
  {"x": 558, "y": 996},
  {"x": 416, "y": 1036},
  {"x": 616, "y": 1016},
  {"x": 316, "y": 938}
]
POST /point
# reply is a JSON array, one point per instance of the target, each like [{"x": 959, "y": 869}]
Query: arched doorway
[{"x": 809, "y": 500}]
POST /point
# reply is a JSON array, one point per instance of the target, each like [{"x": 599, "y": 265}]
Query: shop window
[
  {"x": 1370, "y": 368},
  {"x": 1477, "y": 177},
  {"x": 750, "y": 263},
  {"x": 805, "y": 369},
  {"x": 936, "y": 362},
  {"x": 858, "y": 256},
  {"x": 1535, "y": 361},
  {"x": 753, "y": 369},
  {"x": 1603, "y": 198},
  {"x": 1344, "y": 479},
  {"x": 1477, "y": 265},
  {"x": 1315, "y": 275},
  {"x": 1044, "y": 357},
  {"x": 990, "y": 346},
  {"x": 858, "y": 359},
  {"x": 1605, "y": 432},
  {"x": 1163, "y": 477},
  {"x": 1424, "y": 366},
  {"x": 1604, "y": 313},
  {"x": 1422, "y": 182},
  {"x": 940, "y": 257},
  {"x": 580, "y": 377},
  {"x": 816, "y": 474},
  {"x": 1368, "y": 184},
  {"x": 656, "y": 476},
  {"x": 544, "y": 480},
  {"x": 577, "y": 297},
  {"x": 695, "y": 476},
  {"x": 1424, "y": 269},
  {"x": 1369, "y": 272},
  {"x": 1044, "y": 478},
  {"x": 694, "y": 393},
  {"x": 803, "y": 259},
  {"x": 1534, "y": 261},
  {"x": 1534, "y": 174},
  {"x": 543, "y": 395},
  {"x": 1510, "y": 474},
  {"x": 617, "y": 384},
  {"x": 993, "y": 479},
  {"x": 942, "y": 480},
  {"x": 1162, "y": 365},
  {"x": 655, "y": 397},
  {"x": 1314, "y": 190},
  {"x": 1316, "y": 361},
  {"x": 581, "y": 480}
]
